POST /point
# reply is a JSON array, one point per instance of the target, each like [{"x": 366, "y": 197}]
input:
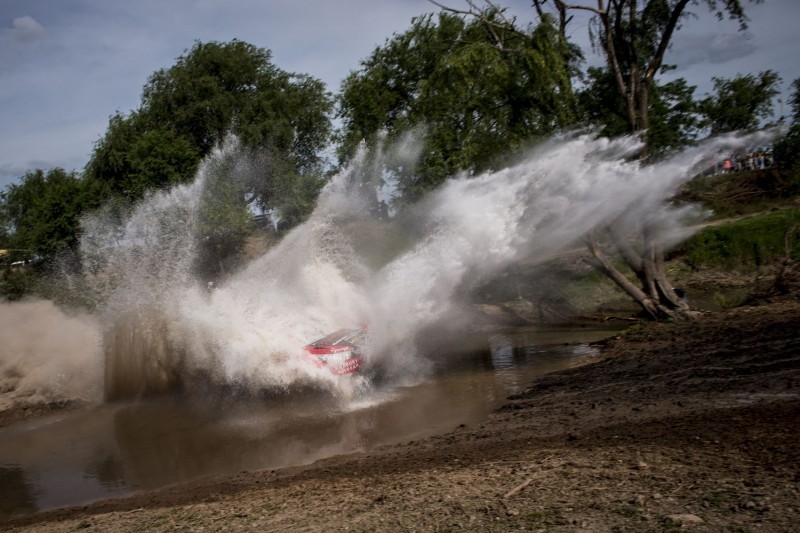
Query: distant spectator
[{"x": 727, "y": 166}]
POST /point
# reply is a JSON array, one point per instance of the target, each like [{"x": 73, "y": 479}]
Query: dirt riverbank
[{"x": 690, "y": 425}]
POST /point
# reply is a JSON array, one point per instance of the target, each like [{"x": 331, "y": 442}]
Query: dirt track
[{"x": 676, "y": 425}]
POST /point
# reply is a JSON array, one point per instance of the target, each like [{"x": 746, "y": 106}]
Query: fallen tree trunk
[{"x": 656, "y": 296}]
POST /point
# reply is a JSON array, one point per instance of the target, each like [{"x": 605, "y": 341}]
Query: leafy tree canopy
[
  {"x": 478, "y": 94},
  {"x": 673, "y": 112},
  {"x": 42, "y": 212},
  {"x": 213, "y": 89},
  {"x": 740, "y": 103}
]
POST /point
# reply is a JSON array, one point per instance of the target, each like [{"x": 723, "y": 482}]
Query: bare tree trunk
[{"x": 656, "y": 296}]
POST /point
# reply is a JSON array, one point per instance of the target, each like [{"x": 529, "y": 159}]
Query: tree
[
  {"x": 132, "y": 158},
  {"x": 634, "y": 36},
  {"x": 675, "y": 120},
  {"x": 42, "y": 212},
  {"x": 740, "y": 103},
  {"x": 787, "y": 150},
  {"x": 223, "y": 218},
  {"x": 475, "y": 100},
  {"x": 794, "y": 101},
  {"x": 674, "y": 114},
  {"x": 212, "y": 90}
]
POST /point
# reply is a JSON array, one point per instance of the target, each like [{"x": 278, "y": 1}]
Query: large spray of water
[{"x": 162, "y": 329}]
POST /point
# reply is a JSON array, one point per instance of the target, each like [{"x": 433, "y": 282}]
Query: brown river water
[{"x": 114, "y": 449}]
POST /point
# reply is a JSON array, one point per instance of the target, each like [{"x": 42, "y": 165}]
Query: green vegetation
[
  {"x": 213, "y": 90},
  {"x": 474, "y": 102},
  {"x": 186, "y": 111},
  {"x": 41, "y": 213},
  {"x": 675, "y": 120},
  {"x": 745, "y": 244},
  {"x": 741, "y": 103},
  {"x": 15, "y": 283}
]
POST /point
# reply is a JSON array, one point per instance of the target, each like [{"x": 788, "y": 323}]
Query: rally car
[{"x": 341, "y": 352}]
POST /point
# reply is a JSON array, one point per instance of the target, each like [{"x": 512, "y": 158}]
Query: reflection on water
[
  {"x": 114, "y": 449},
  {"x": 18, "y": 494}
]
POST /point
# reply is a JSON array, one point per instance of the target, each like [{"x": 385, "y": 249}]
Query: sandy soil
[{"x": 684, "y": 425}]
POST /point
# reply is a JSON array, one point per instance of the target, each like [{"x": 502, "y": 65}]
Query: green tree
[
  {"x": 477, "y": 96},
  {"x": 132, "y": 158},
  {"x": 794, "y": 101},
  {"x": 188, "y": 109},
  {"x": 740, "y": 103},
  {"x": 42, "y": 212},
  {"x": 675, "y": 121},
  {"x": 674, "y": 113},
  {"x": 787, "y": 150},
  {"x": 634, "y": 36}
]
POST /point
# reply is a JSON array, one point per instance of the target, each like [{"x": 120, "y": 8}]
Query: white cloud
[
  {"x": 24, "y": 29},
  {"x": 713, "y": 48}
]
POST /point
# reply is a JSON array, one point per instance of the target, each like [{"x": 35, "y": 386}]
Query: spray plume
[{"x": 160, "y": 326}]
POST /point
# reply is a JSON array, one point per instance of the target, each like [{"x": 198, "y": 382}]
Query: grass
[{"x": 745, "y": 244}]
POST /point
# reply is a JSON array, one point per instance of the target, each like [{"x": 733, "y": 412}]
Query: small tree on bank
[{"x": 740, "y": 103}]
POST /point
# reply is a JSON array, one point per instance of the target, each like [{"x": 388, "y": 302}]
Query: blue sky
[{"x": 67, "y": 65}]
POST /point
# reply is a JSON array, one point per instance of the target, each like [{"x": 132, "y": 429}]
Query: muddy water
[{"x": 114, "y": 449}]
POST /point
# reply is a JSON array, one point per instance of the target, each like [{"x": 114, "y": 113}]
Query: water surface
[{"x": 114, "y": 449}]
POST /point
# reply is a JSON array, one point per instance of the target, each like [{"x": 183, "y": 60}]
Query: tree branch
[
  {"x": 611, "y": 51},
  {"x": 499, "y": 13},
  {"x": 600, "y": 263},
  {"x": 450, "y": 9},
  {"x": 599, "y": 10},
  {"x": 477, "y": 13},
  {"x": 632, "y": 259},
  {"x": 658, "y": 57}
]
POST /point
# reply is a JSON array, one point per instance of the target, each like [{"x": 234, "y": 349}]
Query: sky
[{"x": 67, "y": 65}]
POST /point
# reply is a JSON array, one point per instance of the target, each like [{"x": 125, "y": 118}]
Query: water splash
[{"x": 348, "y": 264}]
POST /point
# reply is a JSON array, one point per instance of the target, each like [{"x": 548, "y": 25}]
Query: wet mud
[{"x": 674, "y": 425}]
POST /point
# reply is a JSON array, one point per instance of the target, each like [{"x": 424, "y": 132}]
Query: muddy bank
[{"x": 674, "y": 424}]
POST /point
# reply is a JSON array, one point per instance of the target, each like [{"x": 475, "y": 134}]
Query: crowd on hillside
[{"x": 756, "y": 159}]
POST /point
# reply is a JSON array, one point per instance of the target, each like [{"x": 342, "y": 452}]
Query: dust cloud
[{"x": 48, "y": 355}]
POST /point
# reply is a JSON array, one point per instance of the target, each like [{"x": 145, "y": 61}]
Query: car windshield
[{"x": 342, "y": 336}]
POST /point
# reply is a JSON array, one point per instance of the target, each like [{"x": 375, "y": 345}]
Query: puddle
[{"x": 114, "y": 449}]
